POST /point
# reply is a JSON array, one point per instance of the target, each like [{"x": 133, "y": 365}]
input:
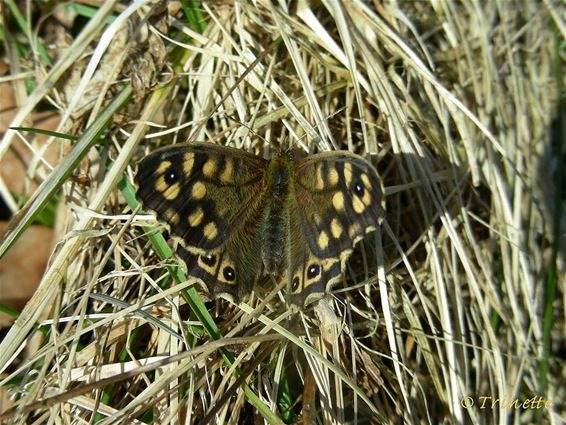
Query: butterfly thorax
[{"x": 275, "y": 220}]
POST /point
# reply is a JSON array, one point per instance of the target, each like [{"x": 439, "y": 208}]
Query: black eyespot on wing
[
  {"x": 209, "y": 260},
  {"x": 295, "y": 284},
  {"x": 229, "y": 274},
  {"x": 313, "y": 271},
  {"x": 359, "y": 189},
  {"x": 171, "y": 176}
]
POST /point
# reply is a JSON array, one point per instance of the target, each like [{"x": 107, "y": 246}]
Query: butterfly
[{"x": 239, "y": 217}]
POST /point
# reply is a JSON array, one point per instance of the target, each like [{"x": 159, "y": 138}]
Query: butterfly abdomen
[{"x": 275, "y": 220}]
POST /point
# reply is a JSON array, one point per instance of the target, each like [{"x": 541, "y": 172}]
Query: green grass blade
[{"x": 52, "y": 185}]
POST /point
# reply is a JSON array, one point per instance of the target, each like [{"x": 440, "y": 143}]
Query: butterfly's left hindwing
[{"x": 310, "y": 275}]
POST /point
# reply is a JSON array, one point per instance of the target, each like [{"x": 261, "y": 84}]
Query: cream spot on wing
[
  {"x": 333, "y": 177},
  {"x": 366, "y": 198},
  {"x": 354, "y": 230},
  {"x": 210, "y": 231},
  {"x": 163, "y": 167},
  {"x": 172, "y": 192},
  {"x": 336, "y": 228},
  {"x": 188, "y": 163},
  {"x": 198, "y": 191},
  {"x": 338, "y": 201},
  {"x": 319, "y": 181},
  {"x": 226, "y": 176},
  {"x": 316, "y": 218},
  {"x": 368, "y": 187},
  {"x": 348, "y": 173},
  {"x": 323, "y": 240},
  {"x": 209, "y": 168},
  {"x": 160, "y": 184},
  {"x": 172, "y": 217},
  {"x": 195, "y": 218},
  {"x": 358, "y": 205}
]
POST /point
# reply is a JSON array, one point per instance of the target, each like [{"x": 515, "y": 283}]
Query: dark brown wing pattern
[
  {"x": 209, "y": 196},
  {"x": 338, "y": 199},
  {"x": 216, "y": 202}
]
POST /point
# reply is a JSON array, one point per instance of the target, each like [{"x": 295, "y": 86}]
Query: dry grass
[{"x": 458, "y": 296}]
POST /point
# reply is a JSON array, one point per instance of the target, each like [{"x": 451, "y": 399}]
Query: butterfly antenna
[
  {"x": 250, "y": 129},
  {"x": 318, "y": 125},
  {"x": 259, "y": 58}
]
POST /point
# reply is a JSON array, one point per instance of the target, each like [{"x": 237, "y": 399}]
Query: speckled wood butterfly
[{"x": 239, "y": 217}]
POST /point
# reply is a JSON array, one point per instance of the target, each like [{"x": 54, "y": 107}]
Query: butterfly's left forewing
[{"x": 340, "y": 198}]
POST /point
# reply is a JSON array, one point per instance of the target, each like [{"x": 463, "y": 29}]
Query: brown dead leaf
[{"x": 22, "y": 267}]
